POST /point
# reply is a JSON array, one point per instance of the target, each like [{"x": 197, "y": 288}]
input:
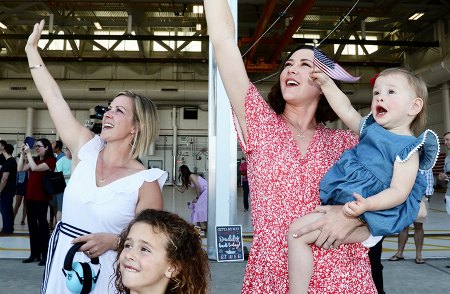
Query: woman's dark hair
[
  {"x": 185, "y": 173},
  {"x": 47, "y": 144},
  {"x": 324, "y": 111},
  {"x": 184, "y": 250}
]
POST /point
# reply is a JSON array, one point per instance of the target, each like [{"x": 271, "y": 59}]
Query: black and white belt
[{"x": 65, "y": 229}]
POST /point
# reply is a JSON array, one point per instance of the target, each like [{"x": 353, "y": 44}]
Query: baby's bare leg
[
  {"x": 359, "y": 235},
  {"x": 300, "y": 258}
]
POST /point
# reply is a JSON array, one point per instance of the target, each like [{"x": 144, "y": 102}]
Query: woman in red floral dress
[{"x": 288, "y": 151}]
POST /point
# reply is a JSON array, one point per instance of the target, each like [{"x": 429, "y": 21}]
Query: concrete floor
[{"x": 400, "y": 277}]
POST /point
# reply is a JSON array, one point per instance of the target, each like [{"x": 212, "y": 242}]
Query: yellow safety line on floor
[
  {"x": 438, "y": 210},
  {"x": 14, "y": 249}
]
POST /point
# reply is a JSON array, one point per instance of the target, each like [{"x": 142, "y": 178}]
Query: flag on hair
[{"x": 331, "y": 68}]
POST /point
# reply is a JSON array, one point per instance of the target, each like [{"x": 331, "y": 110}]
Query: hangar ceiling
[{"x": 78, "y": 22}]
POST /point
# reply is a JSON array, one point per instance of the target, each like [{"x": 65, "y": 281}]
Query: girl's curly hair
[{"x": 183, "y": 247}]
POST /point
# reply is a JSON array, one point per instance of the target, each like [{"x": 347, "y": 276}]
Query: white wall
[{"x": 192, "y": 139}]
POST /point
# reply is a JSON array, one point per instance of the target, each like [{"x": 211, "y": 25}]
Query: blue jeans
[{"x": 6, "y": 208}]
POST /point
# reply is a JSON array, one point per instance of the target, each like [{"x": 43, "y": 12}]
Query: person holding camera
[
  {"x": 108, "y": 185},
  {"x": 37, "y": 200}
]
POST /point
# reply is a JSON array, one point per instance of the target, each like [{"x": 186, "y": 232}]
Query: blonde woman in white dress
[{"x": 108, "y": 185}]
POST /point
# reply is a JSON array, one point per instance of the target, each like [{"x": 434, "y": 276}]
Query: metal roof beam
[
  {"x": 263, "y": 21},
  {"x": 299, "y": 15},
  {"x": 106, "y": 37}
]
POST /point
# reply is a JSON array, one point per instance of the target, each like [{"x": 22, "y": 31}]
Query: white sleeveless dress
[{"x": 93, "y": 209}]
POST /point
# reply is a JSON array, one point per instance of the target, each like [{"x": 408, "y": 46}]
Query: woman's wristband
[{"x": 35, "y": 66}]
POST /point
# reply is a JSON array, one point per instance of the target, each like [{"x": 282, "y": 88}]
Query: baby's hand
[
  {"x": 357, "y": 207},
  {"x": 319, "y": 77}
]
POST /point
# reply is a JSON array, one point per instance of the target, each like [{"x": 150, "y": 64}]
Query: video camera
[{"x": 94, "y": 123}]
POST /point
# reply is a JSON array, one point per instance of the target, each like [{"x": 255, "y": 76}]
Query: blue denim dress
[{"x": 367, "y": 169}]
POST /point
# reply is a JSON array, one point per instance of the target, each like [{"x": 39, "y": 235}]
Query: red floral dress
[{"x": 285, "y": 186}]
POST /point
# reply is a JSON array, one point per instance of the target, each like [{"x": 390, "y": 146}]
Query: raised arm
[
  {"x": 66, "y": 124},
  {"x": 402, "y": 182},
  {"x": 338, "y": 101},
  {"x": 21, "y": 165},
  {"x": 231, "y": 67}
]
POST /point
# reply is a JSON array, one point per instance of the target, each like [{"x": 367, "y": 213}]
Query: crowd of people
[
  {"x": 316, "y": 210},
  {"x": 8, "y": 172}
]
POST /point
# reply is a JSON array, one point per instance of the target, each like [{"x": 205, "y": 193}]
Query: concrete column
[
  {"x": 129, "y": 24},
  {"x": 151, "y": 148},
  {"x": 51, "y": 21},
  {"x": 29, "y": 125},
  {"x": 174, "y": 143},
  {"x": 446, "y": 105},
  {"x": 222, "y": 180}
]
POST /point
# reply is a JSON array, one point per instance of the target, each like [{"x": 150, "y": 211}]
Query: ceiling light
[
  {"x": 3, "y": 26},
  {"x": 197, "y": 9},
  {"x": 97, "y": 25},
  {"x": 416, "y": 16},
  {"x": 394, "y": 32},
  {"x": 198, "y": 27}
]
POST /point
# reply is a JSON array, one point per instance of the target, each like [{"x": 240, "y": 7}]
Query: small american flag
[{"x": 331, "y": 68}]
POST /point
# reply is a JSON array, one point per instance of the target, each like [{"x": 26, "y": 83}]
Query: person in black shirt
[
  {"x": 2, "y": 158},
  {"x": 8, "y": 190}
]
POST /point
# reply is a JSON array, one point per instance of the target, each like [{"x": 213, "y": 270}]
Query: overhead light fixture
[
  {"x": 197, "y": 9},
  {"x": 394, "y": 32},
  {"x": 97, "y": 25},
  {"x": 3, "y": 26},
  {"x": 416, "y": 16},
  {"x": 198, "y": 27}
]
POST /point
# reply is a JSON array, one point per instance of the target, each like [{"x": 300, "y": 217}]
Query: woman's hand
[
  {"x": 26, "y": 149},
  {"x": 35, "y": 36},
  {"x": 443, "y": 177},
  {"x": 97, "y": 243},
  {"x": 334, "y": 226}
]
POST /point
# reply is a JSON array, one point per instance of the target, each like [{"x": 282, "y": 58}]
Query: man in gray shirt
[{"x": 445, "y": 176}]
